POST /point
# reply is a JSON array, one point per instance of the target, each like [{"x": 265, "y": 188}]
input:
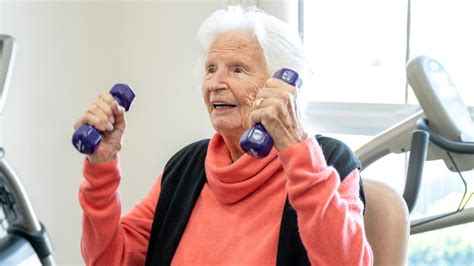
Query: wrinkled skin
[{"x": 236, "y": 75}]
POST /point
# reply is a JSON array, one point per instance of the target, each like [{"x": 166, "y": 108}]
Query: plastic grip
[
  {"x": 256, "y": 141},
  {"x": 86, "y": 138}
]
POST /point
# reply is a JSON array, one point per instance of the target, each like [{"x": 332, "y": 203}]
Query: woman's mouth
[{"x": 221, "y": 106}]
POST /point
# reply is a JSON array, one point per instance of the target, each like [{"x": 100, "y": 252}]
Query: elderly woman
[{"x": 215, "y": 204}]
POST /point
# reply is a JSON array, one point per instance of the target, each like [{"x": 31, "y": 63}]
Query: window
[
  {"x": 448, "y": 246},
  {"x": 358, "y": 51},
  {"x": 443, "y": 30}
]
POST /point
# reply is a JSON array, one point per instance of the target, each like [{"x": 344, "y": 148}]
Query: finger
[
  {"x": 278, "y": 83},
  {"x": 272, "y": 92},
  {"x": 107, "y": 97},
  {"x": 269, "y": 97},
  {"x": 268, "y": 110},
  {"x": 79, "y": 122},
  {"x": 100, "y": 119},
  {"x": 256, "y": 117},
  {"x": 90, "y": 119},
  {"x": 106, "y": 109},
  {"x": 119, "y": 114},
  {"x": 108, "y": 100}
]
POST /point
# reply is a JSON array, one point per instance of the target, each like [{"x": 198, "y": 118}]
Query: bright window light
[
  {"x": 358, "y": 53},
  {"x": 443, "y": 30},
  {"x": 356, "y": 50}
]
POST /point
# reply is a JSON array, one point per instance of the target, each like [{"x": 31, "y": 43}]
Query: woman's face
[{"x": 235, "y": 70}]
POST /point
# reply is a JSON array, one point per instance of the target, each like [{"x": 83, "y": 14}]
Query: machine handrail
[
  {"x": 416, "y": 163},
  {"x": 30, "y": 225},
  {"x": 441, "y": 221},
  {"x": 419, "y": 148},
  {"x": 443, "y": 142}
]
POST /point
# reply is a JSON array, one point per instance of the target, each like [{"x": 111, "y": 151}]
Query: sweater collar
[{"x": 230, "y": 181}]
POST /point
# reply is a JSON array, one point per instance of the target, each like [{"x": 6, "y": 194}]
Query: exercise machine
[
  {"x": 443, "y": 130},
  {"x": 23, "y": 239}
]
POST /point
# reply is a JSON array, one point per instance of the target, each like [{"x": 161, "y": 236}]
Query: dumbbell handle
[
  {"x": 256, "y": 141},
  {"x": 86, "y": 138}
]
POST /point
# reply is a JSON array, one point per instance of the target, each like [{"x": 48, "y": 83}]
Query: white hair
[{"x": 280, "y": 43}]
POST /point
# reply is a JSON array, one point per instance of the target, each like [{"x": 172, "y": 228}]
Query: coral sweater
[{"x": 236, "y": 219}]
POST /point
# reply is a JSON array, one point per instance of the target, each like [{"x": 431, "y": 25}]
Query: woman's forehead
[
  {"x": 242, "y": 37},
  {"x": 236, "y": 40},
  {"x": 243, "y": 43}
]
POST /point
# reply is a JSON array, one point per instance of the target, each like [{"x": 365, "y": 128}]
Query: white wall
[{"x": 67, "y": 54}]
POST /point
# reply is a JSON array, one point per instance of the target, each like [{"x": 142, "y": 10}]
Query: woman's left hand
[{"x": 276, "y": 109}]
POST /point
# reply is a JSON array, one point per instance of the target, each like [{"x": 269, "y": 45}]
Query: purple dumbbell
[
  {"x": 87, "y": 138},
  {"x": 256, "y": 141}
]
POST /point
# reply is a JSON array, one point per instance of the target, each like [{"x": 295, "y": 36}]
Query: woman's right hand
[{"x": 108, "y": 117}]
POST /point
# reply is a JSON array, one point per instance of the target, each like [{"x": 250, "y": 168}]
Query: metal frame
[
  {"x": 398, "y": 139},
  {"x": 26, "y": 225},
  {"x": 367, "y": 119},
  {"x": 7, "y": 57},
  {"x": 416, "y": 134}
]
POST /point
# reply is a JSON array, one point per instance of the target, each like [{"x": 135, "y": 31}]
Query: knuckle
[
  {"x": 95, "y": 109},
  {"x": 88, "y": 118},
  {"x": 90, "y": 110},
  {"x": 95, "y": 105},
  {"x": 104, "y": 95},
  {"x": 104, "y": 120},
  {"x": 253, "y": 115},
  {"x": 287, "y": 96},
  {"x": 106, "y": 98},
  {"x": 269, "y": 114},
  {"x": 92, "y": 119},
  {"x": 78, "y": 123},
  {"x": 272, "y": 82},
  {"x": 106, "y": 108},
  {"x": 278, "y": 106}
]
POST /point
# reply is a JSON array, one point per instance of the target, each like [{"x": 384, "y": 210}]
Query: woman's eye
[
  {"x": 211, "y": 70},
  {"x": 238, "y": 70}
]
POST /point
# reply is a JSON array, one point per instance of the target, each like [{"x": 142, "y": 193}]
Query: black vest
[{"x": 182, "y": 181}]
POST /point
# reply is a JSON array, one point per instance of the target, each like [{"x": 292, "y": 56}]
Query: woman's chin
[{"x": 228, "y": 129}]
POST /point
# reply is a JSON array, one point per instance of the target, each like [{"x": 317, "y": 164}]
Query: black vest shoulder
[
  {"x": 342, "y": 158},
  {"x": 182, "y": 181}
]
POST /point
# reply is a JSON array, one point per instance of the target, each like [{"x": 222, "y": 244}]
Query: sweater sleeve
[
  {"x": 107, "y": 238},
  {"x": 329, "y": 211}
]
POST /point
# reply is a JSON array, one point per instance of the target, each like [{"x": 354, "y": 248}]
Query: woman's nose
[{"x": 219, "y": 80}]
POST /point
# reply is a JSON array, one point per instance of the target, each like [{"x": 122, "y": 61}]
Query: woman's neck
[{"x": 233, "y": 144}]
